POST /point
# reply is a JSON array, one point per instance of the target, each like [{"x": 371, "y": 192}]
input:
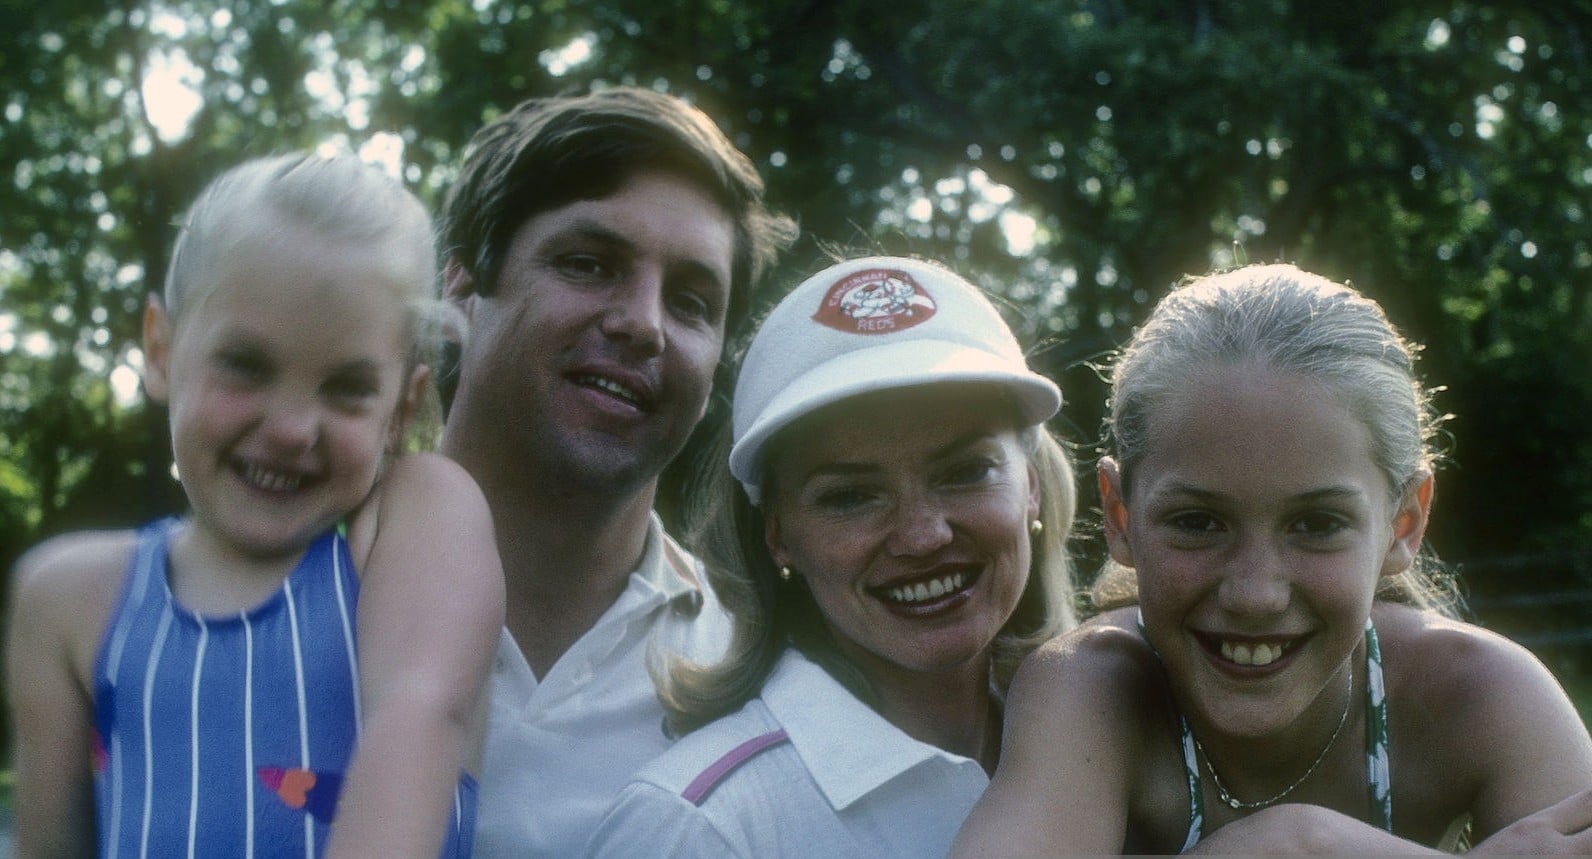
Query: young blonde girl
[
  {"x": 295, "y": 667},
  {"x": 1287, "y": 680}
]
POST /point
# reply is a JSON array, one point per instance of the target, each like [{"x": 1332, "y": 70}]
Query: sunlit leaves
[{"x": 1078, "y": 157}]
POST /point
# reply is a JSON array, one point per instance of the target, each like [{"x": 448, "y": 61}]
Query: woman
[{"x": 894, "y": 546}]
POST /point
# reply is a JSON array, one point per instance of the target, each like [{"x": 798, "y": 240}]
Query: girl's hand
[{"x": 1562, "y": 828}]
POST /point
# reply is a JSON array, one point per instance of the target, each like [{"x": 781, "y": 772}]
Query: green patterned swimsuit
[{"x": 1379, "y": 784}]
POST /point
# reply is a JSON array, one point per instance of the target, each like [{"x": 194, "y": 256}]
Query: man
[{"x": 598, "y": 245}]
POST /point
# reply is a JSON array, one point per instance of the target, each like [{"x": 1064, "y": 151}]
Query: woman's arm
[
  {"x": 1069, "y": 756},
  {"x": 61, "y": 597},
  {"x": 430, "y": 612}
]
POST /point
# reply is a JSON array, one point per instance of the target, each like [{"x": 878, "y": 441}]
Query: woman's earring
[
  {"x": 1035, "y": 527},
  {"x": 784, "y": 574}
]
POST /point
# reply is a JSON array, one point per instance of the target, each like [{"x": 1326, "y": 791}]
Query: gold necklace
[{"x": 1238, "y": 805}]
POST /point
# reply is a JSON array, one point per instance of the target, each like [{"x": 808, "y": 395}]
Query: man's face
[{"x": 594, "y": 356}]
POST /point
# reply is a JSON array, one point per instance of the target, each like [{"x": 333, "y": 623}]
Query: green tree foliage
[{"x": 1078, "y": 156}]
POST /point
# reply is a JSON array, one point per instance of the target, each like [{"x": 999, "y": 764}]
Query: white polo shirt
[
  {"x": 846, "y": 783},
  {"x": 559, "y": 749}
]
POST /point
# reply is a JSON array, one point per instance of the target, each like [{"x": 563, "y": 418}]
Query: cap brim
[{"x": 911, "y": 364}]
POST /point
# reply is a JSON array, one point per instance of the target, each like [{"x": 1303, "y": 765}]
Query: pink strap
[
  {"x": 680, "y": 562},
  {"x": 697, "y": 791}
]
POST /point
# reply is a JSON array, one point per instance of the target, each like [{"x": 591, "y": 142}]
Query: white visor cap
[{"x": 867, "y": 325}]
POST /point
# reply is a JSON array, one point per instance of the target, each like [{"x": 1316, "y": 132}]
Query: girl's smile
[
  {"x": 1249, "y": 651},
  {"x": 272, "y": 480}
]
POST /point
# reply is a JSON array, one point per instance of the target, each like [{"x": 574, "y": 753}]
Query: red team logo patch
[{"x": 875, "y": 301}]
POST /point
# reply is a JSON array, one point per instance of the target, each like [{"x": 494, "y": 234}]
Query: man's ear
[
  {"x": 157, "y": 350},
  {"x": 1409, "y": 524},
  {"x": 458, "y": 285},
  {"x": 1114, "y": 511},
  {"x": 409, "y": 400}
]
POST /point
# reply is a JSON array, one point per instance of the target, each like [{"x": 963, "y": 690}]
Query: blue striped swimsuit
[{"x": 229, "y": 735}]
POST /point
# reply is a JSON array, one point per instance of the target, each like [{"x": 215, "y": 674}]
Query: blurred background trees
[{"x": 1077, "y": 157}]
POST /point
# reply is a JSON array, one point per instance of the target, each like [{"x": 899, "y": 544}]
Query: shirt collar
[
  {"x": 849, "y": 749},
  {"x": 666, "y": 574},
  {"x": 667, "y": 567}
]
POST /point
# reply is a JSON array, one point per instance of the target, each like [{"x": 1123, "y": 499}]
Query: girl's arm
[
  {"x": 1298, "y": 829},
  {"x": 429, "y": 616},
  {"x": 1564, "y": 828},
  {"x": 1069, "y": 754},
  {"x": 62, "y": 593},
  {"x": 1520, "y": 727}
]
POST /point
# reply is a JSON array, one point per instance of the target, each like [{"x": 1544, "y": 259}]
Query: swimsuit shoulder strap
[
  {"x": 1196, "y": 793},
  {"x": 1191, "y": 769},
  {"x": 1378, "y": 776}
]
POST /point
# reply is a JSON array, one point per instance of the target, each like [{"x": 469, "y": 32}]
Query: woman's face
[
  {"x": 1258, "y": 524},
  {"x": 906, "y": 514}
]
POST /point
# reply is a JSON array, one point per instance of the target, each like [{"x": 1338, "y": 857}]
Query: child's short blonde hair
[{"x": 338, "y": 199}]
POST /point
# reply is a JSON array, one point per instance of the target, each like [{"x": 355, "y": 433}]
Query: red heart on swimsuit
[{"x": 292, "y": 785}]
